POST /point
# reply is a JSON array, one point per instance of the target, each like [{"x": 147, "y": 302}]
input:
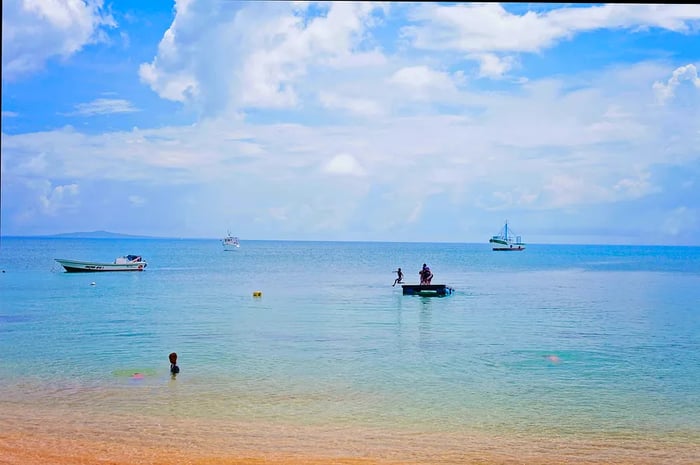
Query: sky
[{"x": 410, "y": 122}]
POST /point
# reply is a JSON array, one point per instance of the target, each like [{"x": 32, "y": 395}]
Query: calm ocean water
[{"x": 566, "y": 340}]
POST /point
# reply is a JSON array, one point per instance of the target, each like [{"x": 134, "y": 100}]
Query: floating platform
[{"x": 427, "y": 290}]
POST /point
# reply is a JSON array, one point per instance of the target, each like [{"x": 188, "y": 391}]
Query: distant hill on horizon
[{"x": 99, "y": 235}]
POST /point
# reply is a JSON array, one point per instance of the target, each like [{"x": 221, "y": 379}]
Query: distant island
[{"x": 99, "y": 235}]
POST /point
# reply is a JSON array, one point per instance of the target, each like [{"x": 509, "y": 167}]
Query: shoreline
[{"x": 29, "y": 436}]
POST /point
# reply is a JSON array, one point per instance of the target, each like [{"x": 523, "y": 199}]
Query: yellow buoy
[{"x": 257, "y": 293}]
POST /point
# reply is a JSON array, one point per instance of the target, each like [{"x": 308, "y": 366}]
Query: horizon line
[{"x": 146, "y": 237}]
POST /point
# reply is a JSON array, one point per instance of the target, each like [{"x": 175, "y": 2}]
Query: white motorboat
[
  {"x": 125, "y": 263},
  {"x": 230, "y": 242}
]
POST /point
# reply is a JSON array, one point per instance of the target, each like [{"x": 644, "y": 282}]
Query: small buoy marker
[{"x": 257, "y": 293}]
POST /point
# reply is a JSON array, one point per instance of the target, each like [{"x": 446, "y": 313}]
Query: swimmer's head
[{"x": 173, "y": 358}]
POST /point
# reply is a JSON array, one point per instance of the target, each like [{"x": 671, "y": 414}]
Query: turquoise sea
[{"x": 567, "y": 341}]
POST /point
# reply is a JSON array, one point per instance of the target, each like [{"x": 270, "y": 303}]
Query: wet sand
[{"x": 73, "y": 437}]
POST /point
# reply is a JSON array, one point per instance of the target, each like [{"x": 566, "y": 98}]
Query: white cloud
[
  {"x": 104, "y": 106},
  {"x": 356, "y": 105},
  {"x": 9, "y": 114},
  {"x": 565, "y": 190},
  {"x": 493, "y": 66},
  {"x": 35, "y": 163},
  {"x": 344, "y": 164},
  {"x": 262, "y": 51},
  {"x": 665, "y": 92},
  {"x": 599, "y": 131},
  {"x": 53, "y": 200},
  {"x": 357, "y": 60},
  {"x": 414, "y": 157},
  {"x": 491, "y": 28},
  {"x": 34, "y": 31},
  {"x": 168, "y": 74},
  {"x": 270, "y": 72},
  {"x": 517, "y": 198},
  {"x": 635, "y": 187},
  {"x": 562, "y": 142},
  {"x": 421, "y": 82}
]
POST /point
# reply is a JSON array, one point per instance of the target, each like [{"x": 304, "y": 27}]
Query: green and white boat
[
  {"x": 505, "y": 240},
  {"x": 125, "y": 263}
]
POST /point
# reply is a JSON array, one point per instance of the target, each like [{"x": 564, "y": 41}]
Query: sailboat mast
[{"x": 506, "y": 230}]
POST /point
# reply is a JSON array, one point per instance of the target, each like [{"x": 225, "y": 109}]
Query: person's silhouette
[
  {"x": 174, "y": 369},
  {"x": 398, "y": 280}
]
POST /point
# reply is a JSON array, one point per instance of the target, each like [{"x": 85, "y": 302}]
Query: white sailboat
[{"x": 506, "y": 241}]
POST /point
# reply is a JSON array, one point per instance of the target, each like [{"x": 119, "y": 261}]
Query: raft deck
[{"x": 427, "y": 290}]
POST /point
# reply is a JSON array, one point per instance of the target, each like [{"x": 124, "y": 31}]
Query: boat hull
[
  {"x": 505, "y": 242},
  {"x": 76, "y": 266},
  {"x": 427, "y": 290}
]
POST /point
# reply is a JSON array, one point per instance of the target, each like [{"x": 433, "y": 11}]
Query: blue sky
[{"x": 578, "y": 123}]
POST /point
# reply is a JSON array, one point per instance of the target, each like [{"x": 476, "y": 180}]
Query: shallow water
[{"x": 578, "y": 345}]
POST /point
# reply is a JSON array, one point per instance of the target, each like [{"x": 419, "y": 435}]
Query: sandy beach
[{"x": 59, "y": 437}]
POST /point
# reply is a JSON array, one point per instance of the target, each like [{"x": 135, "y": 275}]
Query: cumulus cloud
[
  {"x": 665, "y": 92},
  {"x": 34, "y": 31},
  {"x": 54, "y": 199},
  {"x": 493, "y": 66},
  {"x": 344, "y": 164},
  {"x": 217, "y": 56}
]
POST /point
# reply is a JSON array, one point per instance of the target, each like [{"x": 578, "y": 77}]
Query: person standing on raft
[{"x": 426, "y": 276}]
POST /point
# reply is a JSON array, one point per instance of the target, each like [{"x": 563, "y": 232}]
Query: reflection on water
[{"x": 424, "y": 317}]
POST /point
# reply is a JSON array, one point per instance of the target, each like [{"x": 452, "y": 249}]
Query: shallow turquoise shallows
[{"x": 562, "y": 339}]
